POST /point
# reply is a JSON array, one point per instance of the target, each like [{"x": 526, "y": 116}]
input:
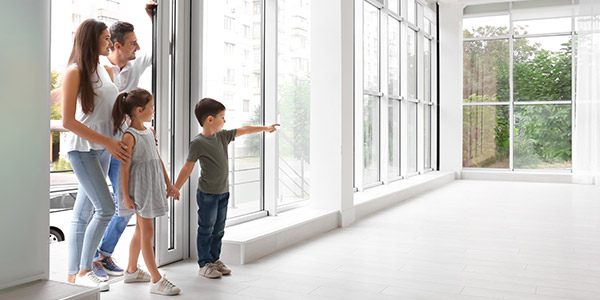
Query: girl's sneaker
[
  {"x": 91, "y": 280},
  {"x": 221, "y": 267},
  {"x": 138, "y": 276},
  {"x": 164, "y": 287}
]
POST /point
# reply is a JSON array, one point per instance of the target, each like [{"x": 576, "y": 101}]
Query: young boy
[{"x": 210, "y": 148}]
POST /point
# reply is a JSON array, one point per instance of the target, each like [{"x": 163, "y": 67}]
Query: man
[{"x": 127, "y": 69}]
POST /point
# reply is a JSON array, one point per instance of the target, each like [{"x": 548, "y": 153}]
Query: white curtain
[{"x": 586, "y": 135}]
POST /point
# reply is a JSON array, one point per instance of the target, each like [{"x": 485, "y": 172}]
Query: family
[{"x": 106, "y": 114}]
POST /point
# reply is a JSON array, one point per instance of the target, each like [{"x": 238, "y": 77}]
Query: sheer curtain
[{"x": 586, "y": 147}]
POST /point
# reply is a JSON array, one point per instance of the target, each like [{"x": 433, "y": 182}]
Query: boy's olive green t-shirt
[{"x": 211, "y": 151}]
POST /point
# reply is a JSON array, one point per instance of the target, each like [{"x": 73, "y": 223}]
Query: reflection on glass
[
  {"x": 236, "y": 82},
  {"x": 486, "y": 26},
  {"x": 370, "y": 139},
  {"x": 427, "y": 135},
  {"x": 393, "y": 139},
  {"x": 427, "y": 70},
  {"x": 486, "y": 71},
  {"x": 371, "y": 47},
  {"x": 393, "y": 6},
  {"x": 411, "y": 12},
  {"x": 486, "y": 136},
  {"x": 394, "y": 57},
  {"x": 542, "y": 68},
  {"x": 542, "y": 26},
  {"x": 293, "y": 94},
  {"x": 412, "y": 137},
  {"x": 427, "y": 26},
  {"x": 412, "y": 64},
  {"x": 542, "y": 137}
]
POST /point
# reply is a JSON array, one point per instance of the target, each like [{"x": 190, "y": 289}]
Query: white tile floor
[{"x": 466, "y": 240}]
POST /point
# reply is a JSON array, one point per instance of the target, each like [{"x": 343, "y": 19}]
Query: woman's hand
[
  {"x": 118, "y": 150},
  {"x": 172, "y": 191},
  {"x": 128, "y": 203}
]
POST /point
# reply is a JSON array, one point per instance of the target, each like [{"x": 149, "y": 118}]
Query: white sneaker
[
  {"x": 164, "y": 287},
  {"x": 138, "y": 276},
  {"x": 91, "y": 280},
  {"x": 210, "y": 271},
  {"x": 221, "y": 267}
]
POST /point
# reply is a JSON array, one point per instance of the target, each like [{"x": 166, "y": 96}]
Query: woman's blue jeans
[
  {"x": 93, "y": 209},
  {"x": 212, "y": 213}
]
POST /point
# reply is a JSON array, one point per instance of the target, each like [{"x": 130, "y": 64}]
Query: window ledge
[
  {"x": 528, "y": 176},
  {"x": 246, "y": 242}
]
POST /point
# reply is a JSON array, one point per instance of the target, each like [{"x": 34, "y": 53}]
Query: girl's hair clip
[{"x": 125, "y": 95}]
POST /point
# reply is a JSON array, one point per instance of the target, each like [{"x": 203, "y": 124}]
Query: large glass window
[
  {"x": 533, "y": 123},
  {"x": 293, "y": 93},
  {"x": 371, "y": 99},
  {"x": 226, "y": 80},
  {"x": 397, "y": 102}
]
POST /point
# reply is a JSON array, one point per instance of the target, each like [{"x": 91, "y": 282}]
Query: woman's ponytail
[{"x": 118, "y": 113}]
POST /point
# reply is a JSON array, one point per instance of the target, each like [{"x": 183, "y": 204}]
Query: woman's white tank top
[{"x": 100, "y": 120}]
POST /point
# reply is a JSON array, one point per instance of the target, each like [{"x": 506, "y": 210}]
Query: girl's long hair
[
  {"x": 86, "y": 54},
  {"x": 126, "y": 103}
]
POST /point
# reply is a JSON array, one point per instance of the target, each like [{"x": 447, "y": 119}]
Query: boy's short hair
[
  {"x": 207, "y": 107},
  {"x": 118, "y": 30}
]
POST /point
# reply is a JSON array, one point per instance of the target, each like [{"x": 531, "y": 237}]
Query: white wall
[
  {"x": 331, "y": 113},
  {"x": 25, "y": 150},
  {"x": 450, "y": 40}
]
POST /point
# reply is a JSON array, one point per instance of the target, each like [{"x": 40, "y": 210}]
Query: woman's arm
[
  {"x": 70, "y": 90},
  {"x": 128, "y": 140}
]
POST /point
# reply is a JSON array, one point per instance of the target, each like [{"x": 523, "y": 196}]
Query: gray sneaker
[
  {"x": 210, "y": 271},
  {"x": 164, "y": 287},
  {"x": 221, "y": 267},
  {"x": 138, "y": 276}
]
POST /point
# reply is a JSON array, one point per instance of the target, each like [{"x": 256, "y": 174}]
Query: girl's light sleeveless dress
[{"x": 147, "y": 186}]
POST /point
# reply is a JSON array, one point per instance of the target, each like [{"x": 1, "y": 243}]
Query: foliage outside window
[{"x": 541, "y": 93}]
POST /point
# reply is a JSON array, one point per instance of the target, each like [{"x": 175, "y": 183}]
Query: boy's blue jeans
[
  {"x": 212, "y": 213},
  {"x": 117, "y": 224}
]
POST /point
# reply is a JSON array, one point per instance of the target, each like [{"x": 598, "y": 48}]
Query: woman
[{"x": 88, "y": 98}]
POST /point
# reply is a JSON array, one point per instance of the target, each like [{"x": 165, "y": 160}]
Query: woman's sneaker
[
  {"x": 91, "y": 280},
  {"x": 111, "y": 267},
  {"x": 210, "y": 271},
  {"x": 164, "y": 287},
  {"x": 99, "y": 271},
  {"x": 221, "y": 267},
  {"x": 138, "y": 276}
]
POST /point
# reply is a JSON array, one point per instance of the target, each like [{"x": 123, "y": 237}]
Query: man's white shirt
[{"x": 128, "y": 78}]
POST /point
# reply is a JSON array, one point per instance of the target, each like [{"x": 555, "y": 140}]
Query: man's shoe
[
  {"x": 99, "y": 271},
  {"x": 221, "y": 267},
  {"x": 210, "y": 271},
  {"x": 111, "y": 267}
]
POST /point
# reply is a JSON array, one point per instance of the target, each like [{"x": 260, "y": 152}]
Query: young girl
[{"x": 144, "y": 185}]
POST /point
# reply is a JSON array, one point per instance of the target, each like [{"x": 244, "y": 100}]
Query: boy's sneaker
[
  {"x": 111, "y": 267},
  {"x": 164, "y": 287},
  {"x": 91, "y": 280},
  {"x": 221, "y": 267},
  {"x": 138, "y": 276},
  {"x": 210, "y": 271},
  {"x": 99, "y": 271}
]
